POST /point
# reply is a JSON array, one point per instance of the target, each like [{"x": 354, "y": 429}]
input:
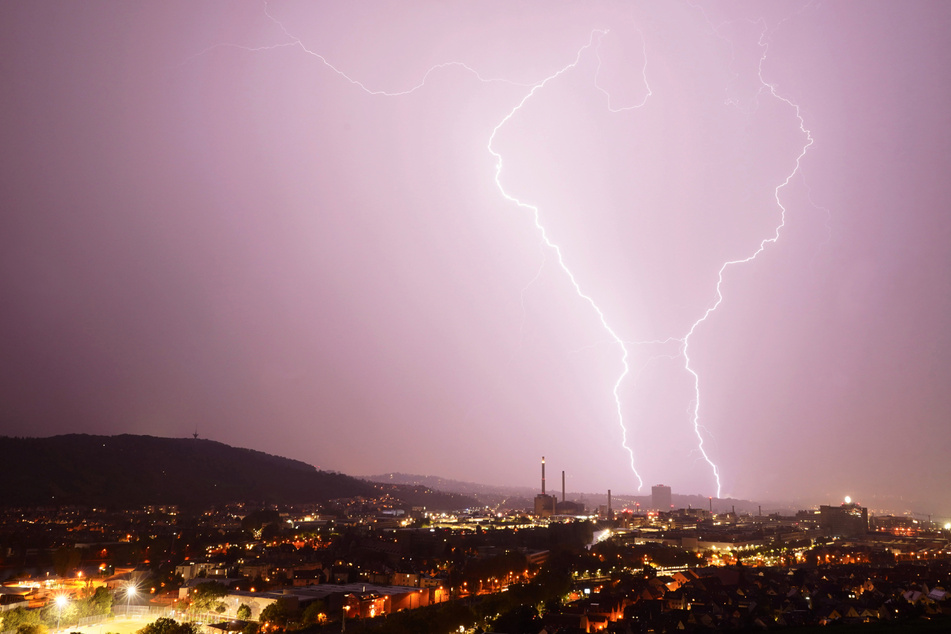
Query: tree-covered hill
[{"x": 128, "y": 471}]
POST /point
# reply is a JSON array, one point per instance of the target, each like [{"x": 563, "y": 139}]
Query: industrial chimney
[
  {"x": 562, "y": 486},
  {"x": 543, "y": 475}
]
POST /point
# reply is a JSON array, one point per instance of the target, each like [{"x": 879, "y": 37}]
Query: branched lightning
[
  {"x": 521, "y": 301},
  {"x": 554, "y": 247},
  {"x": 771, "y": 88},
  {"x": 597, "y": 74},
  {"x": 294, "y": 41},
  {"x": 826, "y": 213},
  {"x": 594, "y": 42}
]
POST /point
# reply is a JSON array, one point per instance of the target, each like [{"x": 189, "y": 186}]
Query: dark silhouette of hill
[
  {"x": 508, "y": 497},
  {"x": 446, "y": 484},
  {"x": 129, "y": 471}
]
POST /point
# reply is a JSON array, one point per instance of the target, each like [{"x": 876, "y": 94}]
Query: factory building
[{"x": 549, "y": 505}]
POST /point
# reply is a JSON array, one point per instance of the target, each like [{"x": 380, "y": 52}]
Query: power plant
[{"x": 548, "y": 505}]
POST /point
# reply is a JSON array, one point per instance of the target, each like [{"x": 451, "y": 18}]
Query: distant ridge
[
  {"x": 521, "y": 497},
  {"x": 128, "y": 471},
  {"x": 445, "y": 484}
]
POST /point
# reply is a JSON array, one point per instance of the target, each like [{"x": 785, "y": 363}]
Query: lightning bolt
[
  {"x": 626, "y": 368},
  {"x": 294, "y": 41},
  {"x": 771, "y": 88},
  {"x": 597, "y": 74},
  {"x": 521, "y": 300},
  {"x": 826, "y": 215},
  {"x": 533, "y": 88}
]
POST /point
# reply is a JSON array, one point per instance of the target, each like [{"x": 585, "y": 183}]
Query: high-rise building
[{"x": 660, "y": 497}]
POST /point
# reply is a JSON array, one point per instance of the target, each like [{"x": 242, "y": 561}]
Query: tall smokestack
[
  {"x": 562, "y": 486},
  {"x": 543, "y": 475},
  {"x": 609, "y": 502}
]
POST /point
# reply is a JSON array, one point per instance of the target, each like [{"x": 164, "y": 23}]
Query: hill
[
  {"x": 446, "y": 484},
  {"x": 128, "y": 471}
]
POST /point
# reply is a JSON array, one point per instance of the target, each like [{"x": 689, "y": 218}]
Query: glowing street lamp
[
  {"x": 130, "y": 592},
  {"x": 61, "y": 601}
]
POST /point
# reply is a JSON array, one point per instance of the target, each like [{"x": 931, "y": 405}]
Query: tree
[
  {"x": 520, "y": 620},
  {"x": 275, "y": 613},
  {"x": 32, "y": 628},
  {"x": 244, "y": 612},
  {"x": 206, "y": 596},
  {"x": 272, "y": 531},
  {"x": 101, "y": 601},
  {"x": 256, "y": 520},
  {"x": 18, "y": 617},
  {"x": 259, "y": 583},
  {"x": 313, "y": 611},
  {"x": 189, "y": 628},
  {"x": 163, "y": 625}
]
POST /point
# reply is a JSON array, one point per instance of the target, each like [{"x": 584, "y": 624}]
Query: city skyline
[{"x": 429, "y": 241}]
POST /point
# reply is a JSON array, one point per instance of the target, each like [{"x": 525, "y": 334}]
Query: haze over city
[{"x": 294, "y": 227}]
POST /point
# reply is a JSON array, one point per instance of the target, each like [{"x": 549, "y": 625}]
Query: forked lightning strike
[
  {"x": 561, "y": 261},
  {"x": 762, "y": 246},
  {"x": 295, "y": 41},
  {"x": 533, "y": 88}
]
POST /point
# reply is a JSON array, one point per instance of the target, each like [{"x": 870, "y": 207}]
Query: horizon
[{"x": 888, "y": 507}]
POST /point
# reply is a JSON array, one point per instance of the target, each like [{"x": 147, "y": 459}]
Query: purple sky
[{"x": 281, "y": 224}]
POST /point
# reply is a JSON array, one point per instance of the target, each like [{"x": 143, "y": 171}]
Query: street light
[
  {"x": 130, "y": 592},
  {"x": 343, "y": 621},
  {"x": 61, "y": 601}
]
